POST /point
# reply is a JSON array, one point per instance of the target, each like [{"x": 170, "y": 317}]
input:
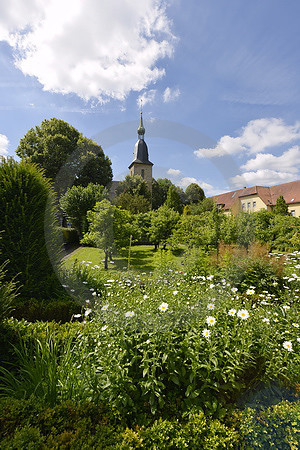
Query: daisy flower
[
  {"x": 163, "y": 307},
  {"x": 232, "y": 312},
  {"x": 210, "y": 320},
  {"x": 288, "y": 345},
  {"x": 210, "y": 306},
  {"x": 250, "y": 291},
  {"x": 104, "y": 308},
  {"x": 243, "y": 314},
  {"x": 234, "y": 289},
  {"x": 206, "y": 333},
  {"x": 129, "y": 314},
  {"x": 296, "y": 325}
]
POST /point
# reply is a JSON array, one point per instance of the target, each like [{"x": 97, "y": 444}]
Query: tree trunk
[{"x": 106, "y": 260}]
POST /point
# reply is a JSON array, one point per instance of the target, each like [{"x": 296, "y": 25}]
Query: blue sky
[{"x": 219, "y": 82}]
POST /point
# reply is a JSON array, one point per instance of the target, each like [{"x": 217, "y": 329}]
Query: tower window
[{"x": 143, "y": 173}]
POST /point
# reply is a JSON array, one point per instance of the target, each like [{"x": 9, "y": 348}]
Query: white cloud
[
  {"x": 255, "y": 137},
  {"x": 94, "y": 49},
  {"x": 170, "y": 95},
  {"x": 262, "y": 177},
  {"x": 209, "y": 190},
  {"x": 289, "y": 161},
  {"x": 147, "y": 97},
  {"x": 3, "y": 145},
  {"x": 174, "y": 172}
]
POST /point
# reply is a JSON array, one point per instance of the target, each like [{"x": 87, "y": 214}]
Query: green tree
[
  {"x": 194, "y": 193},
  {"x": 281, "y": 207},
  {"x": 50, "y": 144},
  {"x": 135, "y": 185},
  {"x": 163, "y": 222},
  {"x": 140, "y": 227},
  {"x": 173, "y": 200},
  {"x": 245, "y": 229},
  {"x": 283, "y": 231},
  {"x": 201, "y": 231},
  {"x": 78, "y": 200},
  {"x": 133, "y": 203},
  {"x": 24, "y": 195},
  {"x": 109, "y": 228},
  {"x": 160, "y": 189},
  {"x": 207, "y": 204}
]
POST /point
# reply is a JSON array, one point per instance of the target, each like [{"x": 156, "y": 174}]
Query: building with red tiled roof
[{"x": 254, "y": 198}]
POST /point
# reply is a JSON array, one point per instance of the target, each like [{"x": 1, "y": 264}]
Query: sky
[{"x": 218, "y": 80}]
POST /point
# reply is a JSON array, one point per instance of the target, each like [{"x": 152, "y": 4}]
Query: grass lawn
[{"x": 141, "y": 258}]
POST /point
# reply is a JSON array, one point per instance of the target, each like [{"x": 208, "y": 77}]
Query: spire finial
[{"x": 141, "y": 129}]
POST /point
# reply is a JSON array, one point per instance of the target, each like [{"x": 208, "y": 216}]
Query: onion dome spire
[{"x": 141, "y": 129}]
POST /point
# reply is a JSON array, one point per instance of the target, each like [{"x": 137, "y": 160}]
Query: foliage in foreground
[
  {"x": 30, "y": 424},
  {"x": 166, "y": 344}
]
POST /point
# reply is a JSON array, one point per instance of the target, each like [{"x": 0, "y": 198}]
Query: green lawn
[{"x": 141, "y": 258}]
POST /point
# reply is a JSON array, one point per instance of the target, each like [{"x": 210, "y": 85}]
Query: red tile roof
[{"x": 269, "y": 195}]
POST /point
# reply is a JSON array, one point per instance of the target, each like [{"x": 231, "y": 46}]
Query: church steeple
[
  {"x": 141, "y": 129},
  {"x": 141, "y": 164}
]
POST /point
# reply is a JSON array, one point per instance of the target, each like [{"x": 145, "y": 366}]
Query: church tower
[{"x": 141, "y": 164}]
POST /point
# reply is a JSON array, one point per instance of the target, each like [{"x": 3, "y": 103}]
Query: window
[
  {"x": 248, "y": 205},
  {"x": 293, "y": 212},
  {"x": 143, "y": 173},
  {"x": 243, "y": 205},
  {"x": 254, "y": 205}
]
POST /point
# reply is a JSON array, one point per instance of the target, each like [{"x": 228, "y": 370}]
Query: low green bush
[
  {"x": 276, "y": 427},
  {"x": 262, "y": 273},
  {"x": 26, "y": 424},
  {"x": 70, "y": 235},
  {"x": 58, "y": 310}
]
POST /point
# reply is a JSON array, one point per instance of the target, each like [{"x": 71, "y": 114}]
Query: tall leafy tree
[
  {"x": 50, "y": 144},
  {"x": 78, "y": 200},
  {"x": 135, "y": 185},
  {"x": 194, "y": 193},
  {"x": 135, "y": 204},
  {"x": 109, "y": 228},
  {"x": 173, "y": 200},
  {"x": 281, "y": 207},
  {"x": 24, "y": 196},
  {"x": 163, "y": 222}
]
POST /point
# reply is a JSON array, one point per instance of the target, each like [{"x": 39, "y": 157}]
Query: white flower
[
  {"x": 265, "y": 319},
  {"x": 298, "y": 339},
  {"x": 163, "y": 307},
  {"x": 296, "y": 325},
  {"x": 104, "y": 327},
  {"x": 206, "y": 333},
  {"x": 210, "y": 306},
  {"x": 145, "y": 297},
  {"x": 175, "y": 292},
  {"x": 77, "y": 315},
  {"x": 87, "y": 312},
  {"x": 288, "y": 345},
  {"x": 110, "y": 281},
  {"x": 243, "y": 314},
  {"x": 286, "y": 307},
  {"x": 232, "y": 312},
  {"x": 104, "y": 308},
  {"x": 129, "y": 314},
  {"x": 211, "y": 286},
  {"x": 94, "y": 293},
  {"x": 210, "y": 320},
  {"x": 250, "y": 291},
  {"x": 234, "y": 289}
]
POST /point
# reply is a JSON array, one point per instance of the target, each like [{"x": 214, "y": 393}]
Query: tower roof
[{"x": 140, "y": 154}]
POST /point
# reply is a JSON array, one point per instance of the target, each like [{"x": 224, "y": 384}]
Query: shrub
[
  {"x": 275, "y": 427},
  {"x": 70, "y": 235},
  {"x": 58, "y": 310},
  {"x": 24, "y": 195}
]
